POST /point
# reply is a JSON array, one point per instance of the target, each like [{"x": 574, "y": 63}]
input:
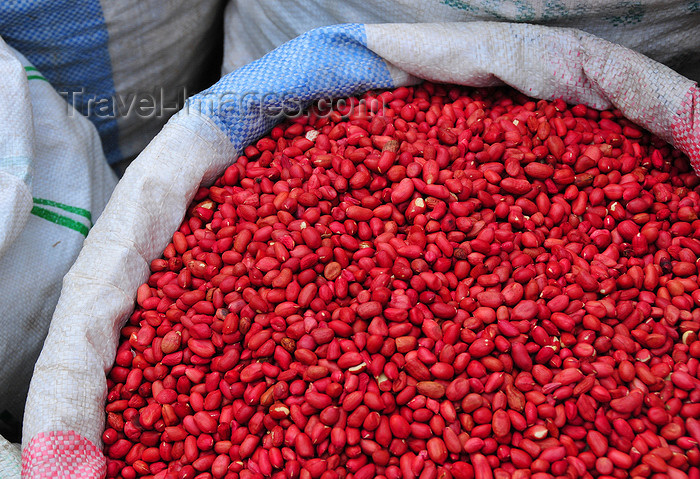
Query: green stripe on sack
[
  {"x": 71, "y": 209},
  {"x": 36, "y": 76},
  {"x": 60, "y": 220}
]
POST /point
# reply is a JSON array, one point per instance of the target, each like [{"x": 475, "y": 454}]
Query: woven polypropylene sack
[
  {"x": 10, "y": 462},
  {"x": 54, "y": 181},
  {"x": 65, "y": 410},
  {"x": 126, "y": 65},
  {"x": 667, "y": 31}
]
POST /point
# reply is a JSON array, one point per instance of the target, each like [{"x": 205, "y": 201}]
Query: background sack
[
  {"x": 108, "y": 56},
  {"x": 667, "y": 31},
  {"x": 10, "y": 462},
  {"x": 54, "y": 181},
  {"x": 65, "y": 414}
]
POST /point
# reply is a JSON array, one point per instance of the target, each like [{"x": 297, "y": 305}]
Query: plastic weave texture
[
  {"x": 54, "y": 181},
  {"x": 106, "y": 57},
  {"x": 686, "y": 128},
  {"x": 667, "y": 31},
  {"x": 77, "y": 31},
  {"x": 330, "y": 62}
]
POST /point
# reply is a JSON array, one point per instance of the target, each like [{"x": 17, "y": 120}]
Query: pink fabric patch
[
  {"x": 686, "y": 128},
  {"x": 62, "y": 455}
]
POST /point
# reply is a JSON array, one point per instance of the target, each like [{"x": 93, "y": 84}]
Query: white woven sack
[
  {"x": 10, "y": 459},
  {"x": 667, "y": 31},
  {"x": 65, "y": 409},
  {"x": 122, "y": 64},
  {"x": 54, "y": 181}
]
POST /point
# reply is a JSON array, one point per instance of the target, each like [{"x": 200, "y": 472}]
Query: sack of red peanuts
[
  {"x": 54, "y": 181},
  {"x": 65, "y": 414}
]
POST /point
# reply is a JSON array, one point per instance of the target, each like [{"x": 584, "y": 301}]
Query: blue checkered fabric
[
  {"x": 328, "y": 62},
  {"x": 67, "y": 41}
]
